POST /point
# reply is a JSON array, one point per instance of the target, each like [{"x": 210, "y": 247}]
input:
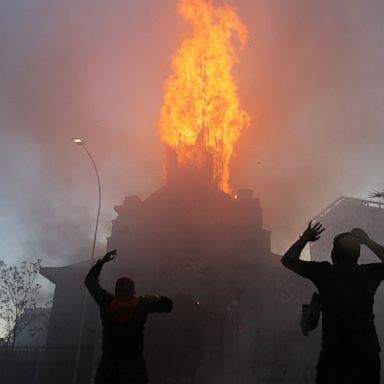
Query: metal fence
[
  {"x": 20, "y": 365},
  {"x": 43, "y": 365}
]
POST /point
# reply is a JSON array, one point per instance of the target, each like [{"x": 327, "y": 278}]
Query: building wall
[
  {"x": 236, "y": 309},
  {"x": 343, "y": 215},
  {"x": 34, "y": 334},
  {"x": 59, "y": 358}
]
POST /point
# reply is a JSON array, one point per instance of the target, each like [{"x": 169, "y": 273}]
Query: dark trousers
[
  {"x": 112, "y": 370},
  {"x": 362, "y": 368}
]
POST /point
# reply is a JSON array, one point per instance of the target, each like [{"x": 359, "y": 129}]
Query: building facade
[
  {"x": 343, "y": 215},
  {"x": 236, "y": 309}
]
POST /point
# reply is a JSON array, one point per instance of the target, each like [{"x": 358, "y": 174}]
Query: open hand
[
  {"x": 361, "y": 235},
  {"x": 109, "y": 256},
  {"x": 313, "y": 233}
]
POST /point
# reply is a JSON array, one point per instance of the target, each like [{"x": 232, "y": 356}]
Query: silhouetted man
[
  {"x": 350, "y": 346},
  {"x": 123, "y": 316}
]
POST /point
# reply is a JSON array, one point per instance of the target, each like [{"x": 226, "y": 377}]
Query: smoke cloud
[{"x": 310, "y": 78}]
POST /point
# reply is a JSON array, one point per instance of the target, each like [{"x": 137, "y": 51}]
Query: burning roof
[{"x": 201, "y": 118}]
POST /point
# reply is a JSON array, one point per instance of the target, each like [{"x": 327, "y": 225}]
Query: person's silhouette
[
  {"x": 123, "y": 316},
  {"x": 350, "y": 346}
]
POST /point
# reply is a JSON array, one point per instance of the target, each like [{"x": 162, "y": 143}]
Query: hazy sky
[{"x": 310, "y": 77}]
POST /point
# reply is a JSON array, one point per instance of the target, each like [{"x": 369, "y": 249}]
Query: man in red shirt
[{"x": 123, "y": 316}]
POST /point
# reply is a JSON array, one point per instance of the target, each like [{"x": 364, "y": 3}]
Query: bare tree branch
[{"x": 18, "y": 294}]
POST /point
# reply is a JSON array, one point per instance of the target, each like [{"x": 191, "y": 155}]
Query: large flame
[{"x": 201, "y": 118}]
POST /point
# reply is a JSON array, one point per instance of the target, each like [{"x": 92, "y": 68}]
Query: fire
[{"x": 201, "y": 118}]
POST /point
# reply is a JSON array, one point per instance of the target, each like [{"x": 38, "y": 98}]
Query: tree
[
  {"x": 18, "y": 297},
  {"x": 378, "y": 195}
]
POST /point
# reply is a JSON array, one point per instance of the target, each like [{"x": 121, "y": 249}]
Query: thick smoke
[
  {"x": 310, "y": 78},
  {"x": 92, "y": 70}
]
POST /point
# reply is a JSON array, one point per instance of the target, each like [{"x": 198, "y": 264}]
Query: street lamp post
[{"x": 81, "y": 143}]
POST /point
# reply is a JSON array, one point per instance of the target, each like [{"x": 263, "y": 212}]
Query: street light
[{"x": 80, "y": 142}]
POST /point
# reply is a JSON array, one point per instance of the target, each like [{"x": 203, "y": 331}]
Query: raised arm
[
  {"x": 158, "y": 304},
  {"x": 291, "y": 258},
  {"x": 376, "y": 248},
  {"x": 92, "y": 279}
]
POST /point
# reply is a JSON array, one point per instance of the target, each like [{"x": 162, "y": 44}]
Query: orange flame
[{"x": 201, "y": 119}]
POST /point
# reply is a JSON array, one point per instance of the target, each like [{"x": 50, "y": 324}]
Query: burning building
[
  {"x": 194, "y": 240},
  {"x": 210, "y": 253},
  {"x": 201, "y": 118}
]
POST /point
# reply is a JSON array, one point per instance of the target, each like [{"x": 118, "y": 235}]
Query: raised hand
[
  {"x": 361, "y": 235},
  {"x": 109, "y": 256},
  {"x": 312, "y": 233}
]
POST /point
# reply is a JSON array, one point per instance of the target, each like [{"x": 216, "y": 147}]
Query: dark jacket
[{"x": 123, "y": 320}]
